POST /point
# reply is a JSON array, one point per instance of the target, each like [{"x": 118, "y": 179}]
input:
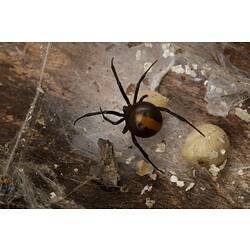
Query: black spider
[{"x": 143, "y": 119}]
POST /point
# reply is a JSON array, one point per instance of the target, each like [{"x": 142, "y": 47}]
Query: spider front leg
[
  {"x": 180, "y": 118},
  {"x": 110, "y": 112},
  {"x": 140, "y": 80},
  {"x": 119, "y": 83},
  {"x": 109, "y": 120},
  {"x": 143, "y": 97},
  {"x": 144, "y": 153}
]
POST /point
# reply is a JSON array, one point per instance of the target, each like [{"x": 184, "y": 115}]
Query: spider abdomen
[{"x": 143, "y": 119}]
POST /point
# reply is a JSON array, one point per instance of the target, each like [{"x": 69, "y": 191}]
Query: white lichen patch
[
  {"x": 138, "y": 55},
  {"x": 52, "y": 195},
  {"x": 205, "y": 82},
  {"x": 242, "y": 114},
  {"x": 161, "y": 147},
  {"x": 180, "y": 183},
  {"x": 167, "y": 50},
  {"x": 223, "y": 151},
  {"x": 197, "y": 79},
  {"x": 166, "y": 53},
  {"x": 178, "y": 69},
  {"x": 190, "y": 186},
  {"x": 214, "y": 170},
  {"x": 172, "y": 172},
  {"x": 148, "y": 45},
  {"x": 173, "y": 178},
  {"x": 149, "y": 203},
  {"x": 153, "y": 176},
  {"x": 190, "y": 71},
  {"x": 147, "y": 188},
  {"x": 130, "y": 159},
  {"x": 212, "y": 88},
  {"x": 241, "y": 197},
  {"x": 240, "y": 172},
  {"x": 41, "y": 121},
  {"x": 56, "y": 166},
  {"x": 143, "y": 168},
  {"x": 194, "y": 66}
]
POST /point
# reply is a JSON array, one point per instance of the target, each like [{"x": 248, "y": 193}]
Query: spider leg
[
  {"x": 125, "y": 130},
  {"x": 110, "y": 112},
  {"x": 180, "y": 118},
  {"x": 109, "y": 120},
  {"x": 144, "y": 153},
  {"x": 143, "y": 97},
  {"x": 139, "y": 82},
  {"x": 119, "y": 83}
]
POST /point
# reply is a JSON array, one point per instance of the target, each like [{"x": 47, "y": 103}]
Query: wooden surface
[{"x": 47, "y": 171}]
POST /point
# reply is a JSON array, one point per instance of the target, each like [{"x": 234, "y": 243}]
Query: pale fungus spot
[
  {"x": 161, "y": 147},
  {"x": 214, "y": 170},
  {"x": 149, "y": 203},
  {"x": 194, "y": 66},
  {"x": 153, "y": 176},
  {"x": 147, "y": 188},
  {"x": 180, "y": 184},
  {"x": 178, "y": 69},
  {"x": 173, "y": 178},
  {"x": 240, "y": 172},
  {"x": 130, "y": 159},
  {"x": 190, "y": 186},
  {"x": 223, "y": 151},
  {"x": 52, "y": 195},
  {"x": 190, "y": 71}
]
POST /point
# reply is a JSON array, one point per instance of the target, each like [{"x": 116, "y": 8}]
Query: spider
[{"x": 142, "y": 119}]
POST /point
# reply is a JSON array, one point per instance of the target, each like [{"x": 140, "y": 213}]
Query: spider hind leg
[{"x": 145, "y": 154}]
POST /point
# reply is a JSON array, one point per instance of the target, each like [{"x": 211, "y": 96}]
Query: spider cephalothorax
[{"x": 142, "y": 119}]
